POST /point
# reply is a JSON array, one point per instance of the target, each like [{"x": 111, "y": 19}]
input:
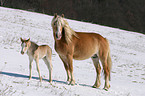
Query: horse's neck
[
  {"x": 67, "y": 34},
  {"x": 63, "y": 39},
  {"x": 32, "y": 47}
]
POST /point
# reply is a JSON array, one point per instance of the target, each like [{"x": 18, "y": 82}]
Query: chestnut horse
[{"x": 79, "y": 45}]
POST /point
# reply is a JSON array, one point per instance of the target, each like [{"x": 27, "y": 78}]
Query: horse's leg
[
  {"x": 30, "y": 67},
  {"x": 70, "y": 63},
  {"x": 106, "y": 70},
  {"x": 48, "y": 62},
  {"x": 38, "y": 70},
  {"x": 66, "y": 68},
  {"x": 95, "y": 59}
]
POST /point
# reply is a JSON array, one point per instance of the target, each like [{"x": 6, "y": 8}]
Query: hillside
[{"x": 127, "y": 52}]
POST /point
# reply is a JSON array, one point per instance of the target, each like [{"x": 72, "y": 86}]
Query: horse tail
[{"x": 109, "y": 62}]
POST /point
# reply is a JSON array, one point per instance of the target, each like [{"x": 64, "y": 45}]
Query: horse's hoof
[
  {"x": 50, "y": 81},
  {"x": 29, "y": 78},
  {"x": 40, "y": 79},
  {"x": 72, "y": 83},
  {"x": 68, "y": 82},
  {"x": 106, "y": 88},
  {"x": 96, "y": 86}
]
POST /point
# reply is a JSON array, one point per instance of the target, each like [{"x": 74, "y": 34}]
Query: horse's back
[
  {"x": 87, "y": 44},
  {"x": 92, "y": 38},
  {"x": 90, "y": 35},
  {"x": 44, "y": 50}
]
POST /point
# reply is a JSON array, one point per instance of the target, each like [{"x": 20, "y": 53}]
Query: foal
[{"x": 36, "y": 52}]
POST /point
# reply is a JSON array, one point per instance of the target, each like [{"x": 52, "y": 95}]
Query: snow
[{"x": 127, "y": 52}]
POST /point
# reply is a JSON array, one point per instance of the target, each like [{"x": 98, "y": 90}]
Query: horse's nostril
[{"x": 56, "y": 35}]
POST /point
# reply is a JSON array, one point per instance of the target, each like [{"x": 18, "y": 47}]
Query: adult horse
[{"x": 79, "y": 45}]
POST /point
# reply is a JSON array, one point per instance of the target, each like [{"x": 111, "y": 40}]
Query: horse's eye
[{"x": 54, "y": 23}]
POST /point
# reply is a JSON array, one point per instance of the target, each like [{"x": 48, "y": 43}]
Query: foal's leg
[
  {"x": 67, "y": 69},
  {"x": 48, "y": 62},
  {"x": 95, "y": 59},
  {"x": 30, "y": 67},
  {"x": 38, "y": 70},
  {"x": 106, "y": 71}
]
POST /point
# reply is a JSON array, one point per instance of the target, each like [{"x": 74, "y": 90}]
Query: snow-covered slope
[{"x": 127, "y": 52}]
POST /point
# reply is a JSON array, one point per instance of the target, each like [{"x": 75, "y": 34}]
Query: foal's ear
[
  {"x": 21, "y": 39},
  {"x": 28, "y": 40},
  {"x": 62, "y": 15},
  {"x": 55, "y": 15}
]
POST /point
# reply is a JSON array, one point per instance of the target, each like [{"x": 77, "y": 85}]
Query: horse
[
  {"x": 36, "y": 52},
  {"x": 80, "y": 46}
]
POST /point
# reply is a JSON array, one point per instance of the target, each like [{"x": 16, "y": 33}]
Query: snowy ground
[{"x": 127, "y": 52}]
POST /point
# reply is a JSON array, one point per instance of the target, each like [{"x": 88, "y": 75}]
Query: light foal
[
  {"x": 80, "y": 45},
  {"x": 36, "y": 52}
]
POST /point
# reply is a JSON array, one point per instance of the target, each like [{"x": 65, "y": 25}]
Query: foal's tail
[{"x": 109, "y": 62}]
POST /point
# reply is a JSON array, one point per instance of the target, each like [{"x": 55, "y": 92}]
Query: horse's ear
[
  {"x": 21, "y": 39},
  {"x": 55, "y": 15},
  {"x": 62, "y": 15},
  {"x": 28, "y": 40}
]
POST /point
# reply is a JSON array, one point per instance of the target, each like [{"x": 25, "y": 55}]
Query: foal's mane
[
  {"x": 34, "y": 46},
  {"x": 68, "y": 32}
]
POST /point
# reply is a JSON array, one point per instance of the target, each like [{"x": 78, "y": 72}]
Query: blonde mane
[{"x": 68, "y": 31}]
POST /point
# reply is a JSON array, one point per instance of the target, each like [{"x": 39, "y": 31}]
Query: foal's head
[
  {"x": 24, "y": 45},
  {"x": 57, "y": 24}
]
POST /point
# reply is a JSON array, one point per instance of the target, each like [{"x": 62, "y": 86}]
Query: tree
[{"x": 3, "y": 2}]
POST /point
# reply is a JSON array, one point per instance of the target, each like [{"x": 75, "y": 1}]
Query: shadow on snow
[
  {"x": 26, "y": 76},
  {"x": 37, "y": 78}
]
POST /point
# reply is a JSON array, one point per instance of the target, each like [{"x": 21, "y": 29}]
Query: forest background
[{"x": 123, "y": 14}]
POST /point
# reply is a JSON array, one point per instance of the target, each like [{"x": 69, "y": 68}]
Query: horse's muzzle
[
  {"x": 58, "y": 35},
  {"x": 22, "y": 52}
]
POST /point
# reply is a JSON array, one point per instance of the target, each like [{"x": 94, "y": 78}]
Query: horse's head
[
  {"x": 24, "y": 45},
  {"x": 57, "y": 25}
]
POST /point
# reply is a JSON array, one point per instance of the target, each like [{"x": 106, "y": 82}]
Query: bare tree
[{"x": 3, "y": 2}]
